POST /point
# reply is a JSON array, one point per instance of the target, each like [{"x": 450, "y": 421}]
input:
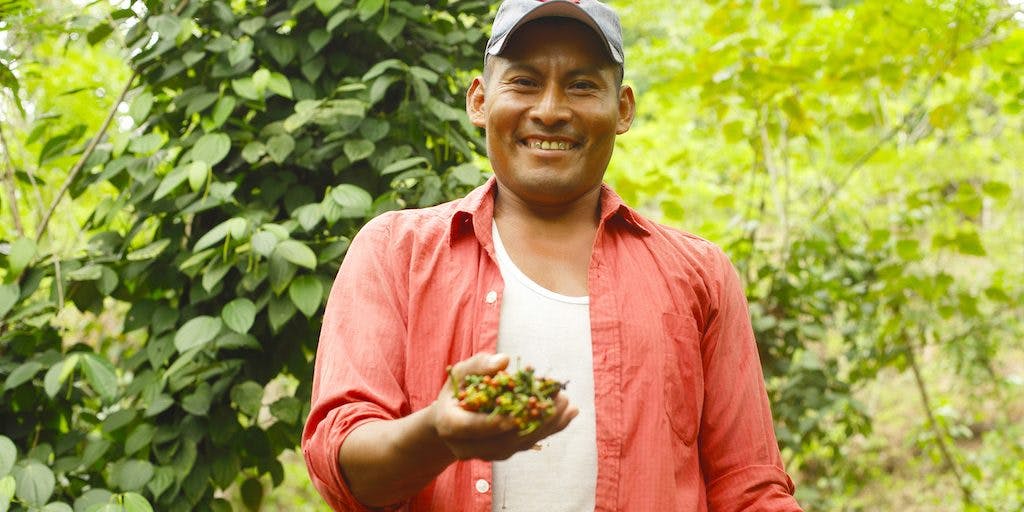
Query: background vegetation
[{"x": 180, "y": 181}]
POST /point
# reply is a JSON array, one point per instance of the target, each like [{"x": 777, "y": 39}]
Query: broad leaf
[{"x": 196, "y": 332}]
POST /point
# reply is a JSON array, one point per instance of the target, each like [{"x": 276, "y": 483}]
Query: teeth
[{"x": 547, "y": 144}]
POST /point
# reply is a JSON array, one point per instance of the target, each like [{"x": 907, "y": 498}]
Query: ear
[
  {"x": 475, "y": 103},
  {"x": 627, "y": 109}
]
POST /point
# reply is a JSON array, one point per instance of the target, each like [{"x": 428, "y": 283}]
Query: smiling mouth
[{"x": 550, "y": 145}]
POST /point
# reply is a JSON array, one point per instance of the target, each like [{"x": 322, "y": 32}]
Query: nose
[{"x": 552, "y": 107}]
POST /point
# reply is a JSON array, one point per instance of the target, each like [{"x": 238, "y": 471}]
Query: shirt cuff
[
  {"x": 763, "y": 488},
  {"x": 320, "y": 448}
]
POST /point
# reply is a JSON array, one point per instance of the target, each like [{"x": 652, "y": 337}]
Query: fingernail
[{"x": 496, "y": 358}]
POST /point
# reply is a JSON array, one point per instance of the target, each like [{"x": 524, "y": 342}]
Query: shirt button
[
  {"x": 492, "y": 296},
  {"x": 482, "y": 486}
]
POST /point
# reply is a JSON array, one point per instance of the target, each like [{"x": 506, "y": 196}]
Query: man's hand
[{"x": 475, "y": 435}]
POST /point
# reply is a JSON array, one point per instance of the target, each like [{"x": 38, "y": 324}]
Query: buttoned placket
[{"x": 490, "y": 304}]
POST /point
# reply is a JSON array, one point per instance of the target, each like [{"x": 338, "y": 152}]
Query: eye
[
  {"x": 523, "y": 81},
  {"x": 583, "y": 85}
]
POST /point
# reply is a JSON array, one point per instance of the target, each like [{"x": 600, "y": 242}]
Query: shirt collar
[{"x": 476, "y": 211}]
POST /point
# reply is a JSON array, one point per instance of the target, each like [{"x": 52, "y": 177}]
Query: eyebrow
[{"x": 521, "y": 67}]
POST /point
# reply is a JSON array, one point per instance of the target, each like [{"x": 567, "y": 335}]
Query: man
[{"x": 665, "y": 408}]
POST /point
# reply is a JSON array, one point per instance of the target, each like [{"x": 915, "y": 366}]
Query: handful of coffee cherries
[{"x": 522, "y": 396}]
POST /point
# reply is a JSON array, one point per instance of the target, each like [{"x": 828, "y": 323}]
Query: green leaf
[
  {"x": 309, "y": 215},
  {"x": 235, "y": 227},
  {"x": 89, "y": 272},
  {"x": 252, "y": 493},
  {"x": 91, "y": 499},
  {"x": 280, "y": 146},
  {"x": 467, "y": 174},
  {"x": 134, "y": 502},
  {"x": 253, "y": 151},
  {"x": 132, "y": 475},
  {"x": 57, "y": 507},
  {"x": 280, "y": 85},
  {"x": 286, "y": 409},
  {"x": 260, "y": 79},
  {"x": 263, "y": 243},
  {"x": 327, "y": 6},
  {"x": 146, "y": 144},
  {"x": 280, "y": 272},
  {"x": 391, "y": 27},
  {"x": 58, "y": 374},
  {"x": 306, "y": 293},
  {"x": 170, "y": 182},
  {"x": 245, "y": 88},
  {"x": 150, "y": 251},
  {"x": 404, "y": 164},
  {"x": 248, "y": 396},
  {"x": 198, "y": 403},
  {"x": 367, "y": 8},
  {"x": 358, "y": 149},
  {"x": 211, "y": 148},
  {"x": 382, "y": 66},
  {"x": 101, "y": 376},
  {"x": 222, "y": 110},
  {"x": 161, "y": 481},
  {"x": 139, "y": 438},
  {"x": 196, "y": 332},
  {"x": 22, "y": 251},
  {"x": 8, "y": 455},
  {"x": 22, "y": 374},
  {"x": 35, "y": 484},
  {"x": 296, "y": 252},
  {"x": 9, "y": 294},
  {"x": 318, "y": 39},
  {"x": 239, "y": 315},
  {"x": 354, "y": 201},
  {"x": 240, "y": 51},
  {"x": 279, "y": 311},
  {"x": 197, "y": 174},
  {"x": 252, "y": 25},
  {"x": 968, "y": 242},
  {"x": 234, "y": 340},
  {"x": 339, "y": 17},
  {"x": 140, "y": 107},
  {"x": 7, "y": 486}
]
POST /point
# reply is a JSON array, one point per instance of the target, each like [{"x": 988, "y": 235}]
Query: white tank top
[{"x": 550, "y": 332}]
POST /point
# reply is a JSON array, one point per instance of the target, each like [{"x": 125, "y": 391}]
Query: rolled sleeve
[
  {"x": 359, "y": 371},
  {"x": 739, "y": 454}
]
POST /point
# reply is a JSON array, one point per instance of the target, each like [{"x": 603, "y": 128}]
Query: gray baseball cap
[{"x": 513, "y": 14}]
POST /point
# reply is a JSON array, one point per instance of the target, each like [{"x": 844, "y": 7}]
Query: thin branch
[
  {"x": 85, "y": 156},
  {"x": 940, "y": 433},
  {"x": 12, "y": 196}
]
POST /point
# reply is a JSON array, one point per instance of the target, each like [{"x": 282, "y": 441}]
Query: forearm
[{"x": 387, "y": 461}]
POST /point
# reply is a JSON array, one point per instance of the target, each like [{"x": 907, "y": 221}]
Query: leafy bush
[{"x": 265, "y": 135}]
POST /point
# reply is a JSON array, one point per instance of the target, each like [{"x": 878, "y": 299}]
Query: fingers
[{"x": 481, "y": 364}]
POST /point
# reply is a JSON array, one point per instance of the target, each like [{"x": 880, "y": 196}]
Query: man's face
[{"x": 551, "y": 106}]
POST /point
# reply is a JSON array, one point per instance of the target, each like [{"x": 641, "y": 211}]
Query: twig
[
  {"x": 938, "y": 430},
  {"x": 12, "y": 196},
  {"x": 85, "y": 156}
]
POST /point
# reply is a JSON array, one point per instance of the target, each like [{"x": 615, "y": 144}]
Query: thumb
[{"x": 482, "y": 364}]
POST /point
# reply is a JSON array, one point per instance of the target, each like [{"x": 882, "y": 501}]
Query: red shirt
[{"x": 683, "y": 422}]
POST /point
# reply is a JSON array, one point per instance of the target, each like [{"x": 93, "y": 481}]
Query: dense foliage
[
  {"x": 261, "y": 138},
  {"x": 165, "y": 251}
]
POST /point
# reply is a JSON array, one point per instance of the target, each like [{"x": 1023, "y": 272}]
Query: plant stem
[
  {"x": 85, "y": 156},
  {"x": 12, "y": 196},
  {"x": 941, "y": 435}
]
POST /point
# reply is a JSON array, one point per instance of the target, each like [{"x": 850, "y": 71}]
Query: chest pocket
[{"x": 684, "y": 381}]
